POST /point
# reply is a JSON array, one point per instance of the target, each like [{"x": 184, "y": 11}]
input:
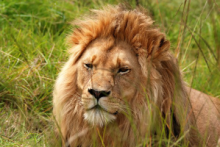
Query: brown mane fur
[{"x": 161, "y": 78}]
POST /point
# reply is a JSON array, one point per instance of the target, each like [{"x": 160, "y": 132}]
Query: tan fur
[{"x": 151, "y": 91}]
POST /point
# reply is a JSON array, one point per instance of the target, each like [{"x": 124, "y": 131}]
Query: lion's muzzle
[{"x": 100, "y": 107}]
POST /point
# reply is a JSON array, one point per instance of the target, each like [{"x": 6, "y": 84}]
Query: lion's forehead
[{"x": 110, "y": 55}]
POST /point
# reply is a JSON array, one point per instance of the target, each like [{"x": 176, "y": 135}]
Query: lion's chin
[{"x": 98, "y": 117}]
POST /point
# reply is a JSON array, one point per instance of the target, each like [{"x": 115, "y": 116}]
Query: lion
[{"x": 121, "y": 84}]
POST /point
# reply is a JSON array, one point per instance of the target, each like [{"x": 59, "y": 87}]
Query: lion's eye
[
  {"x": 89, "y": 66},
  {"x": 123, "y": 70}
]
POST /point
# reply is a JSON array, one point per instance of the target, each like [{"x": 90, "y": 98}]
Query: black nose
[{"x": 98, "y": 94}]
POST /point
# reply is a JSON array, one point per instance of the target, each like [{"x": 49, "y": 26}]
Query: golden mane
[{"x": 132, "y": 26}]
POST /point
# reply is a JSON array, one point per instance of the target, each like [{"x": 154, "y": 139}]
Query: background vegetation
[{"x": 32, "y": 51}]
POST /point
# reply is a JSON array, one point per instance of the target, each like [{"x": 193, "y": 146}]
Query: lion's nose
[{"x": 98, "y": 94}]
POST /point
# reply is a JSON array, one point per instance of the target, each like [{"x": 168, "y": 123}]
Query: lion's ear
[
  {"x": 157, "y": 46},
  {"x": 155, "y": 49},
  {"x": 76, "y": 52}
]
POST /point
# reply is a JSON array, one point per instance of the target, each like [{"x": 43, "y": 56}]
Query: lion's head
[
  {"x": 118, "y": 65},
  {"x": 109, "y": 76}
]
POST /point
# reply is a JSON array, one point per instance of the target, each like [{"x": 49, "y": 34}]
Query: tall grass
[{"x": 33, "y": 49}]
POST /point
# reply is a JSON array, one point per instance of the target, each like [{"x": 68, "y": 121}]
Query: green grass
[{"x": 33, "y": 49}]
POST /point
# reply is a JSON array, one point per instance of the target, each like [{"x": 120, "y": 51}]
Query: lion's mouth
[{"x": 100, "y": 108}]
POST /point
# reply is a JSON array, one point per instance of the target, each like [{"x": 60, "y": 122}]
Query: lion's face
[{"x": 108, "y": 77}]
